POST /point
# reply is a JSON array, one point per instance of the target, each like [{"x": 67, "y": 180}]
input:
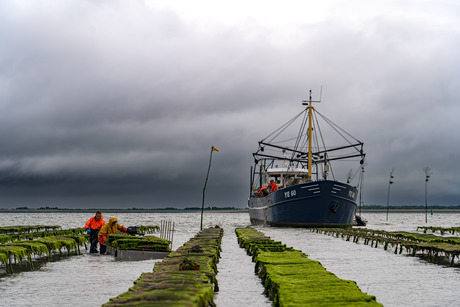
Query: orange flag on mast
[{"x": 215, "y": 149}]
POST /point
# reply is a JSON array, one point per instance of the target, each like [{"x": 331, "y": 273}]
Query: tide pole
[
  {"x": 205, "y": 183},
  {"x": 390, "y": 182},
  {"x": 427, "y": 177}
]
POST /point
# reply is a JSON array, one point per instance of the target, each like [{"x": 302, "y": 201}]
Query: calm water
[{"x": 88, "y": 280}]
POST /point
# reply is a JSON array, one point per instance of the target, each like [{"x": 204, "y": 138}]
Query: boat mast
[{"x": 310, "y": 133}]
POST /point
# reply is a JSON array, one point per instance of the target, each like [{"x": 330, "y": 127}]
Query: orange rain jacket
[
  {"x": 261, "y": 189},
  {"x": 94, "y": 224},
  {"x": 109, "y": 228},
  {"x": 273, "y": 186}
]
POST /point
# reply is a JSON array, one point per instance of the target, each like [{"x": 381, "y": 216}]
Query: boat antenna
[{"x": 307, "y": 102}]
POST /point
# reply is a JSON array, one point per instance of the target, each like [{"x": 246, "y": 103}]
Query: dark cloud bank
[{"x": 113, "y": 104}]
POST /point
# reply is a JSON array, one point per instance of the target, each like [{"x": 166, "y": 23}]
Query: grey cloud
[{"x": 115, "y": 104}]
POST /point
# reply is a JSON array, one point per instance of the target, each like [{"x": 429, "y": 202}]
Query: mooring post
[
  {"x": 172, "y": 235},
  {"x": 205, "y": 183}
]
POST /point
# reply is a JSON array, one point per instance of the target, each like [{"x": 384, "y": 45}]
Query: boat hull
[{"x": 315, "y": 204}]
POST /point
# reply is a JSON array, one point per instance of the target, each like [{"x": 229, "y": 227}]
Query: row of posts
[
  {"x": 427, "y": 171},
  {"x": 167, "y": 231}
]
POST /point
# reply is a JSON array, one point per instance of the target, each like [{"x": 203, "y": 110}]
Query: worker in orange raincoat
[
  {"x": 263, "y": 191},
  {"x": 272, "y": 186},
  {"x": 92, "y": 227},
  {"x": 111, "y": 227}
]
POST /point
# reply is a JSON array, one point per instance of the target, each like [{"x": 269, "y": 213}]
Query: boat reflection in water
[{"x": 294, "y": 185}]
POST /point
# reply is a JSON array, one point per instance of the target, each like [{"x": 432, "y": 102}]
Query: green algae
[
  {"x": 442, "y": 230},
  {"x": 147, "y": 243},
  {"x": 192, "y": 296},
  {"x": 3, "y": 257},
  {"x": 33, "y": 247},
  {"x": 12, "y": 254},
  {"x": 188, "y": 265},
  {"x": 280, "y": 258},
  {"x": 57, "y": 243},
  {"x": 4, "y": 238},
  {"x": 147, "y": 229},
  {"x": 291, "y": 279},
  {"x": 19, "y": 251},
  {"x": 168, "y": 285},
  {"x": 196, "y": 249},
  {"x": 27, "y": 229},
  {"x": 434, "y": 248}
]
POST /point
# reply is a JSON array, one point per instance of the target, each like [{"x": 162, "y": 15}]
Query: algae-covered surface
[
  {"x": 21, "y": 236},
  {"x": 291, "y": 279},
  {"x": 436, "y": 249},
  {"x": 442, "y": 230},
  {"x": 146, "y": 243},
  {"x": 145, "y": 229},
  {"x": 17, "y": 252},
  {"x": 25, "y": 244},
  {"x": 27, "y": 229},
  {"x": 173, "y": 284}
]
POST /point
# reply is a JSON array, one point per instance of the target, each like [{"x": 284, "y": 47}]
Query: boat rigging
[{"x": 304, "y": 194}]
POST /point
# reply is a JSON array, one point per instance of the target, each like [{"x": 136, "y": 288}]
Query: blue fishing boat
[{"x": 294, "y": 184}]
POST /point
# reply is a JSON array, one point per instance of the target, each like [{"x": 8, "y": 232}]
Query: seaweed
[
  {"x": 12, "y": 254},
  {"x": 147, "y": 229},
  {"x": 435, "y": 249},
  {"x": 28, "y": 251},
  {"x": 147, "y": 243},
  {"x": 170, "y": 285},
  {"x": 188, "y": 264},
  {"x": 442, "y": 230},
  {"x": 291, "y": 279},
  {"x": 6, "y": 238},
  {"x": 27, "y": 229}
]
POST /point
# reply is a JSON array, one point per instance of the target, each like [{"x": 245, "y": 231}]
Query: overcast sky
[{"x": 116, "y": 103}]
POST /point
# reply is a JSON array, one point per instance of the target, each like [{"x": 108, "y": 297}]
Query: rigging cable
[
  {"x": 299, "y": 137},
  {"x": 337, "y": 128},
  {"x": 281, "y": 129},
  {"x": 324, "y": 146}
]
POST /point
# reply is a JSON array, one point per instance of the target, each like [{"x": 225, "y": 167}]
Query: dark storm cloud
[{"x": 116, "y": 103}]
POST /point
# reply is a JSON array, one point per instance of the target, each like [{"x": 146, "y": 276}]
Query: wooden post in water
[
  {"x": 427, "y": 177},
  {"x": 205, "y": 183},
  {"x": 167, "y": 231},
  {"x": 390, "y": 182}
]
